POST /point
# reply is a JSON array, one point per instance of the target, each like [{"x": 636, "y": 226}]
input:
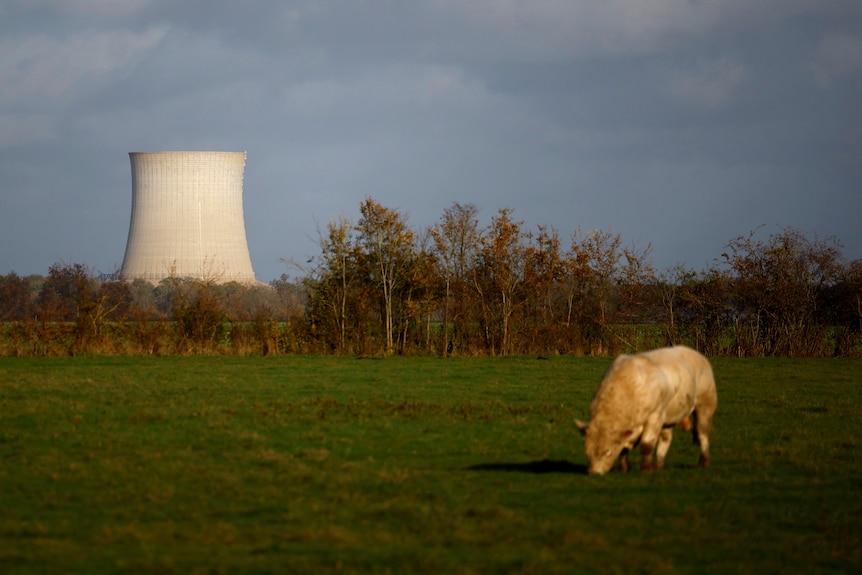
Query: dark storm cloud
[{"x": 681, "y": 124}]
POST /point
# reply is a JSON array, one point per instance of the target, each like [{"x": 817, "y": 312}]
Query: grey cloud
[{"x": 681, "y": 124}]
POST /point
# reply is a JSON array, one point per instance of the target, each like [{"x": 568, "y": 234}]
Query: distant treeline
[{"x": 379, "y": 287}]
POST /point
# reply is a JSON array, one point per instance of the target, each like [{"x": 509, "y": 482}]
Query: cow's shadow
[{"x": 537, "y": 467}]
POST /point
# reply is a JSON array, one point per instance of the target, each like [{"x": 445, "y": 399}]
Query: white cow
[{"x": 641, "y": 398}]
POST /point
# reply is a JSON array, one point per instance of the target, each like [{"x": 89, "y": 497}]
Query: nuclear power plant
[{"x": 187, "y": 218}]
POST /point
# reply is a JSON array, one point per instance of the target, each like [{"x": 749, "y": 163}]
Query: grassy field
[{"x": 322, "y": 464}]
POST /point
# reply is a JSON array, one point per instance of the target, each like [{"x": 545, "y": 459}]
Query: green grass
[{"x": 322, "y": 464}]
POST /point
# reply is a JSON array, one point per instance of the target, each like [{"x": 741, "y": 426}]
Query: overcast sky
[{"x": 680, "y": 123}]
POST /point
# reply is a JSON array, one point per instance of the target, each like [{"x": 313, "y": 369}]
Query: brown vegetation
[{"x": 379, "y": 287}]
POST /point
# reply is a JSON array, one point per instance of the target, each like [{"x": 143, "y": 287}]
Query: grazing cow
[{"x": 641, "y": 398}]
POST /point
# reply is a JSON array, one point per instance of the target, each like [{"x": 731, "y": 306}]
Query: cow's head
[{"x": 603, "y": 446}]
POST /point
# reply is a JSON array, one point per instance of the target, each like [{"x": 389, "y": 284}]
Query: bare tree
[
  {"x": 544, "y": 271},
  {"x": 779, "y": 287},
  {"x": 421, "y": 293},
  {"x": 455, "y": 244},
  {"x": 388, "y": 242},
  {"x": 339, "y": 261},
  {"x": 598, "y": 255},
  {"x": 16, "y": 301},
  {"x": 499, "y": 277}
]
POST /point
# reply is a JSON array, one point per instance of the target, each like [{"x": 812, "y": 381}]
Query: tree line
[{"x": 378, "y": 286}]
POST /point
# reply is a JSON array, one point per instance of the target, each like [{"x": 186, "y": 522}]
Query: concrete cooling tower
[{"x": 187, "y": 219}]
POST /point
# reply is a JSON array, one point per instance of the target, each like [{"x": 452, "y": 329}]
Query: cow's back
[
  {"x": 674, "y": 379},
  {"x": 632, "y": 389},
  {"x": 690, "y": 375}
]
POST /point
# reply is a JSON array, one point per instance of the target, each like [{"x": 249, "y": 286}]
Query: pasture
[{"x": 340, "y": 465}]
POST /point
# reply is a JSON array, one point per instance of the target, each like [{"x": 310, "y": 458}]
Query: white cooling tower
[{"x": 187, "y": 218}]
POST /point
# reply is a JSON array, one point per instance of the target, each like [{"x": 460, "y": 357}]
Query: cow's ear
[{"x": 582, "y": 427}]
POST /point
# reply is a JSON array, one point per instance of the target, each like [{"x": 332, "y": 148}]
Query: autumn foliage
[{"x": 380, "y": 287}]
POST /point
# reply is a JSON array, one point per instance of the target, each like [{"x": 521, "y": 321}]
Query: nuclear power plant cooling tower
[{"x": 187, "y": 218}]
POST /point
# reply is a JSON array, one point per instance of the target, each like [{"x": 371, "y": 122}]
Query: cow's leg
[
  {"x": 664, "y": 439},
  {"x": 701, "y": 431},
  {"x": 646, "y": 456},
  {"x": 648, "y": 442},
  {"x": 624, "y": 461}
]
